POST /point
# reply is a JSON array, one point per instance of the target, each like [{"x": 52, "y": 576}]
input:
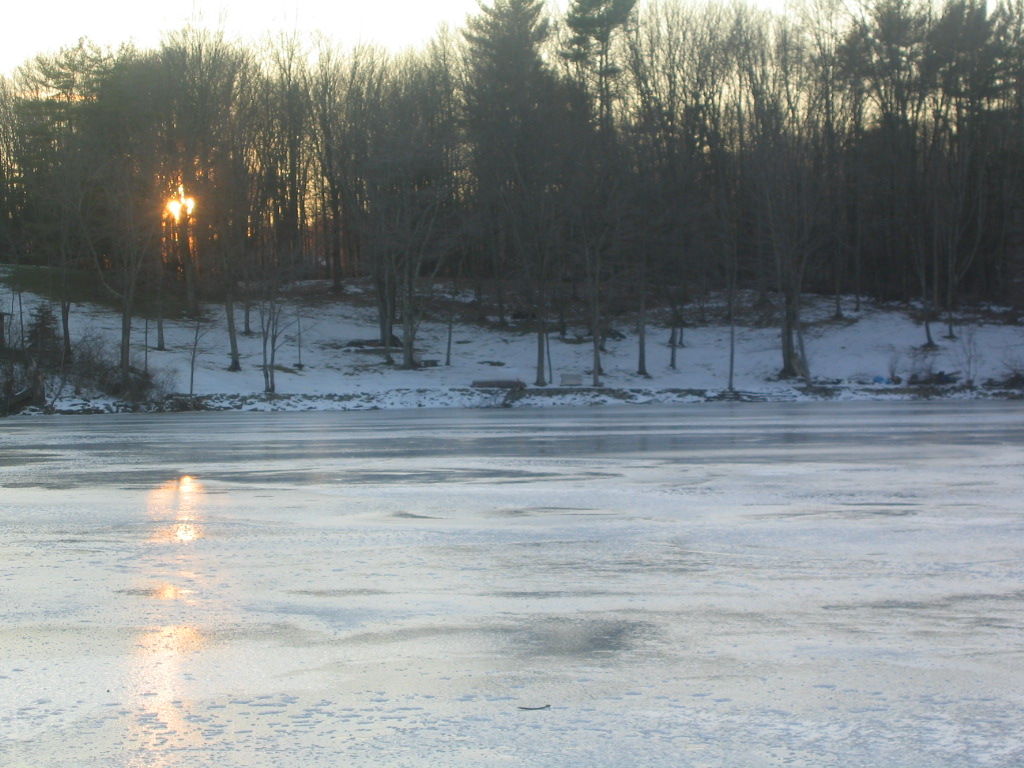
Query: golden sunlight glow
[
  {"x": 178, "y": 533},
  {"x": 181, "y": 204},
  {"x": 168, "y": 651},
  {"x": 171, "y": 592},
  {"x": 158, "y": 678},
  {"x": 186, "y": 532},
  {"x": 172, "y": 640},
  {"x": 178, "y": 505}
]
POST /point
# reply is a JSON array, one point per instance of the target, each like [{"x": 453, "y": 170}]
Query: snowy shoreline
[
  {"x": 873, "y": 352},
  {"x": 528, "y": 397}
]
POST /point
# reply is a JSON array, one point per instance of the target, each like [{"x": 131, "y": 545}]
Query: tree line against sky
[{"x": 617, "y": 156}]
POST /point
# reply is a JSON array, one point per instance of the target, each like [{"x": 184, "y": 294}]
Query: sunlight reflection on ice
[
  {"x": 159, "y": 681},
  {"x": 171, "y": 592},
  {"x": 159, "y": 674},
  {"x": 181, "y": 500}
]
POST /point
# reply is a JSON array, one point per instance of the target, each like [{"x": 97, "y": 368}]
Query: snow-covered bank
[
  {"x": 873, "y": 353},
  {"x": 492, "y": 398}
]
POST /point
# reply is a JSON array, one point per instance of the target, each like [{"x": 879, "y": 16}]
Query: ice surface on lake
[{"x": 758, "y": 585}]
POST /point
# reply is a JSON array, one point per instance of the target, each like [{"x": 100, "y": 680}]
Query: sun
[{"x": 177, "y": 206}]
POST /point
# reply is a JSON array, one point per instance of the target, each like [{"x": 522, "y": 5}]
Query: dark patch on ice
[
  {"x": 542, "y": 594},
  {"x": 514, "y": 512},
  {"x": 569, "y": 637},
  {"x": 420, "y": 634},
  {"x": 16, "y": 458},
  {"x": 947, "y": 602},
  {"x": 280, "y": 633},
  {"x": 580, "y": 637},
  {"x": 856, "y": 511},
  {"x": 140, "y": 592},
  {"x": 338, "y": 592},
  {"x": 411, "y": 477},
  {"x": 899, "y": 605},
  {"x": 50, "y": 485},
  {"x": 530, "y": 511}
]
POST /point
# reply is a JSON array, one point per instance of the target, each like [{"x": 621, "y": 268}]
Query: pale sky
[
  {"x": 30, "y": 27},
  {"x": 39, "y": 26}
]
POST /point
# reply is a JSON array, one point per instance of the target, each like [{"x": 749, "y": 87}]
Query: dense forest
[{"x": 621, "y": 154}]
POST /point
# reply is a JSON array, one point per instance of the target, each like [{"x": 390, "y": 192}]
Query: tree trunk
[
  {"x": 193, "y": 357},
  {"x": 269, "y": 327},
  {"x": 641, "y": 368},
  {"x": 268, "y": 361},
  {"x": 188, "y": 267},
  {"x": 408, "y": 338},
  {"x": 595, "y": 323},
  {"x": 541, "y": 338},
  {"x": 161, "y": 346},
  {"x": 229, "y": 313},
  {"x": 927, "y": 310},
  {"x": 335, "y": 235},
  {"x": 732, "y": 322},
  {"x": 65, "y": 326},
  {"x": 793, "y": 363},
  {"x": 124, "y": 364},
  {"x": 448, "y": 345}
]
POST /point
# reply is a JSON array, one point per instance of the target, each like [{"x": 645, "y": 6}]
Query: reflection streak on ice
[
  {"x": 162, "y": 721},
  {"x": 159, "y": 721},
  {"x": 180, "y": 500},
  {"x": 171, "y": 592}
]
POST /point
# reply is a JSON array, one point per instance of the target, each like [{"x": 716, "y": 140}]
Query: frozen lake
[{"x": 738, "y": 586}]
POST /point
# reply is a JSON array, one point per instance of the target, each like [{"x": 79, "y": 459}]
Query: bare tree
[
  {"x": 407, "y": 176},
  {"x": 786, "y": 168},
  {"x": 514, "y": 106},
  {"x": 125, "y": 204},
  {"x": 595, "y": 26},
  {"x": 206, "y": 90},
  {"x": 53, "y": 169},
  {"x": 8, "y": 169}
]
